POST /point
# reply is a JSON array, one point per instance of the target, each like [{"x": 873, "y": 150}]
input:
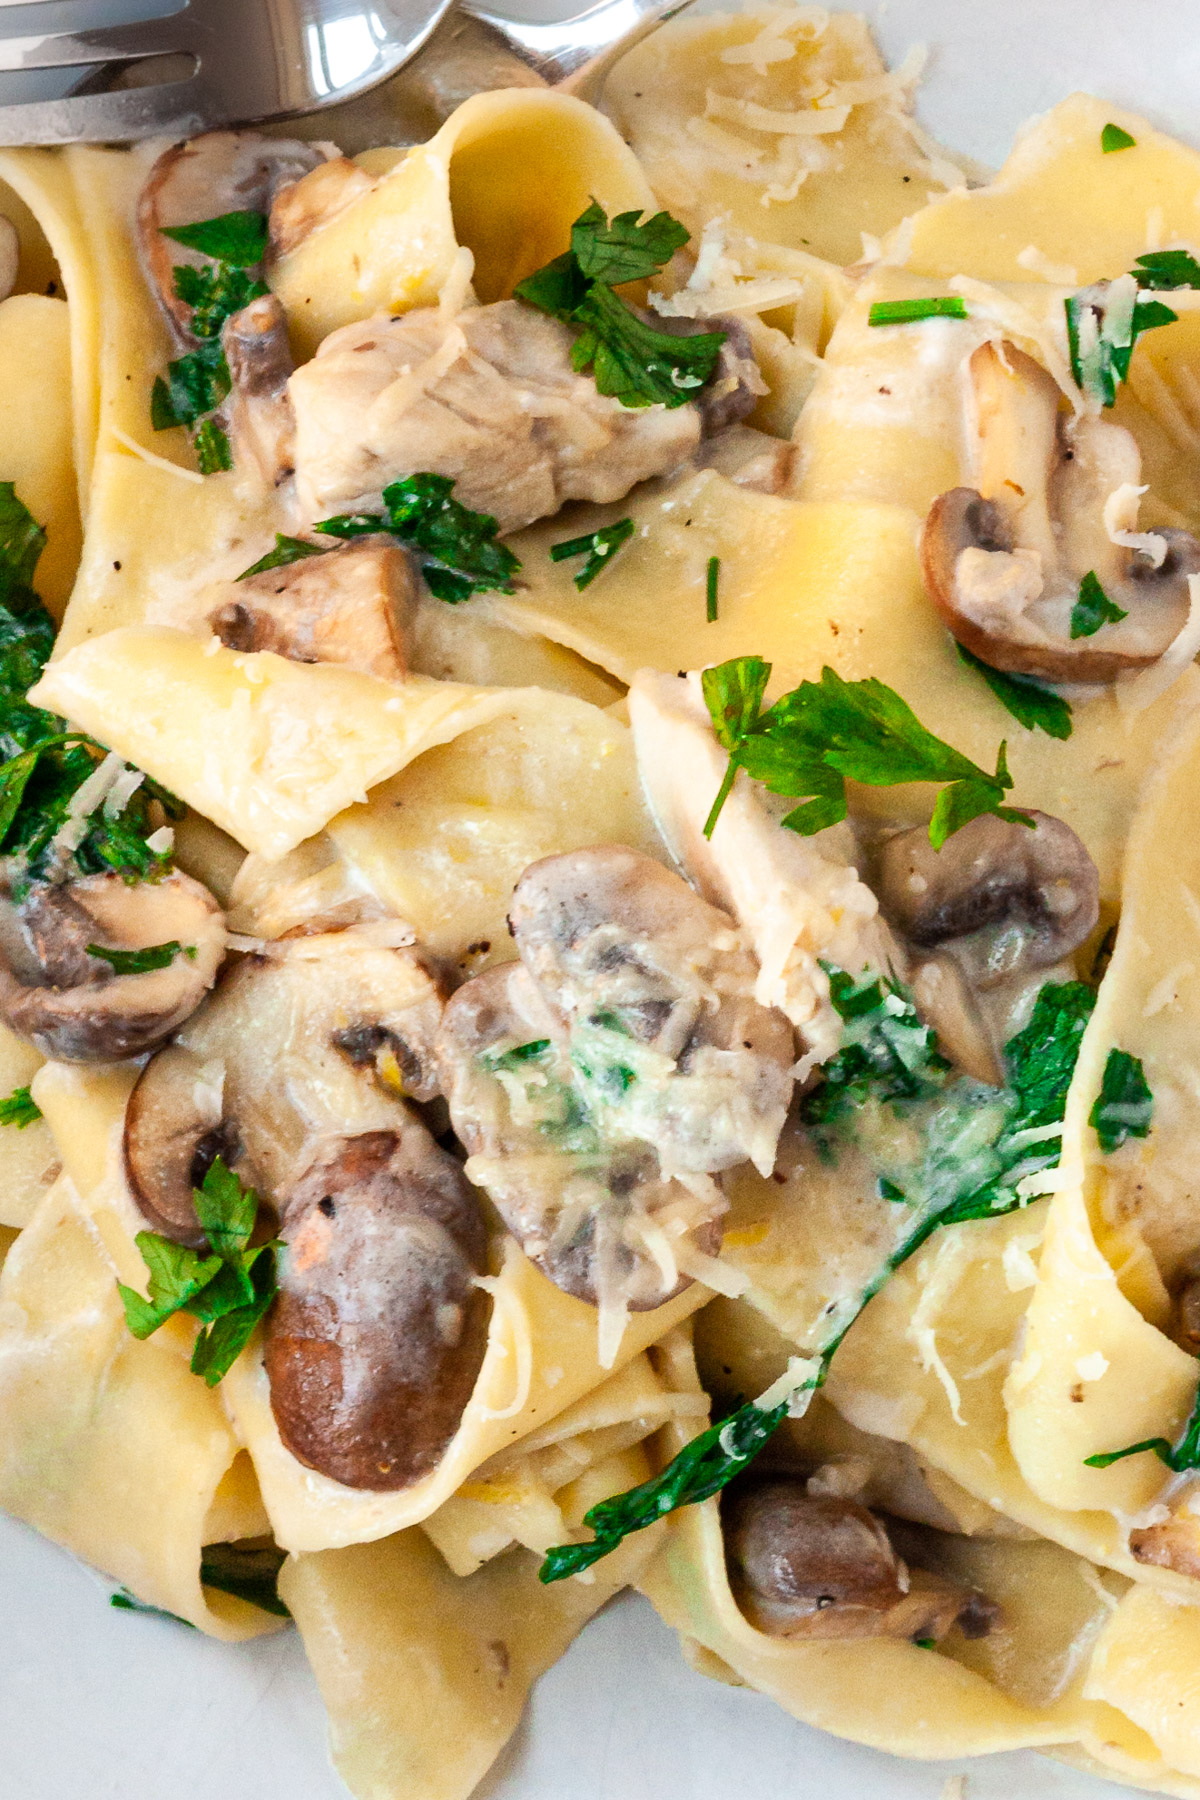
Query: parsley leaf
[
  {"x": 127, "y": 1602},
  {"x": 236, "y": 238},
  {"x": 287, "y": 550},
  {"x": 813, "y": 739},
  {"x": 1036, "y": 707},
  {"x": 910, "y": 312},
  {"x": 1104, "y": 322},
  {"x": 598, "y": 546},
  {"x": 1093, "y": 608},
  {"x": 215, "y": 294},
  {"x": 195, "y": 384},
  {"x": 248, "y": 1571},
  {"x": 886, "y": 1050},
  {"x": 19, "y": 1109},
  {"x": 1167, "y": 269},
  {"x": 1114, "y": 137},
  {"x": 512, "y": 1059},
  {"x": 140, "y": 962},
  {"x": 1041, "y": 1060},
  {"x": 1124, "y": 1105},
  {"x": 712, "y": 576},
  {"x": 422, "y": 514},
  {"x": 630, "y": 359},
  {"x": 213, "y": 449},
  {"x": 229, "y": 1289}
]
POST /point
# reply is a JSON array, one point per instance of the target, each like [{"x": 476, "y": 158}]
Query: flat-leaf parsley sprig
[
  {"x": 630, "y": 359},
  {"x": 196, "y": 384},
  {"x": 229, "y": 1289},
  {"x": 462, "y": 552},
  {"x": 824, "y": 732}
]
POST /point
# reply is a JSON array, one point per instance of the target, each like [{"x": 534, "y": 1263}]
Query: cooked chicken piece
[
  {"x": 313, "y": 200},
  {"x": 807, "y": 1565},
  {"x": 488, "y": 399},
  {"x": 72, "y": 1002},
  {"x": 749, "y": 458},
  {"x": 352, "y": 605},
  {"x": 799, "y": 900}
]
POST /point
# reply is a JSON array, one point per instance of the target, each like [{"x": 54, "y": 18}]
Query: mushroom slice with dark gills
[
  {"x": 818, "y": 1566},
  {"x": 376, "y": 1339},
  {"x": 353, "y": 606},
  {"x": 321, "y": 1036},
  {"x": 604, "y": 1081},
  {"x": 1003, "y": 562},
  {"x": 74, "y": 1004},
  {"x": 489, "y": 399},
  {"x": 989, "y": 918},
  {"x": 259, "y": 413}
]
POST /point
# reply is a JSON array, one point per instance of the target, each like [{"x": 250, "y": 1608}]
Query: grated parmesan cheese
[{"x": 155, "y": 462}]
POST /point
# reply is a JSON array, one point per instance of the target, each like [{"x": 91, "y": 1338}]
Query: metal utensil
[{"x": 211, "y": 63}]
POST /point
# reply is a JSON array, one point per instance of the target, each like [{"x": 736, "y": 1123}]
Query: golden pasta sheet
[
  {"x": 782, "y": 120},
  {"x": 1024, "y": 1687},
  {"x": 503, "y": 179},
  {"x": 1098, "y": 1371},
  {"x": 109, "y": 1446},
  {"x": 810, "y": 583},
  {"x": 425, "y": 1673}
]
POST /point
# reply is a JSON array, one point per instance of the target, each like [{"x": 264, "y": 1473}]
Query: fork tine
[
  {"x": 177, "y": 109},
  {"x": 118, "y": 43}
]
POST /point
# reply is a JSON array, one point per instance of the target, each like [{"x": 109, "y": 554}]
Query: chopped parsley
[
  {"x": 141, "y": 962},
  {"x": 196, "y": 384},
  {"x": 1165, "y": 269},
  {"x": 127, "y": 1602},
  {"x": 1032, "y": 705},
  {"x": 287, "y": 550},
  {"x": 712, "y": 576},
  {"x": 229, "y": 1289},
  {"x": 1115, "y": 137},
  {"x": 1041, "y": 1060},
  {"x": 45, "y": 764},
  {"x": 1093, "y": 608},
  {"x": 466, "y": 556},
  {"x": 1124, "y": 1106},
  {"x": 630, "y": 359},
  {"x": 599, "y": 547},
  {"x": 20, "y": 1109},
  {"x": 248, "y": 1571},
  {"x": 513, "y": 1059},
  {"x": 813, "y": 739},
  {"x": 1104, "y": 322},
  {"x": 911, "y": 312},
  {"x": 886, "y": 1051}
]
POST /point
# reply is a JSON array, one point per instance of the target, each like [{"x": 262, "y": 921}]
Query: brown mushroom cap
[
  {"x": 1156, "y": 600},
  {"x": 219, "y": 172},
  {"x": 174, "y": 1131},
  {"x": 353, "y": 605},
  {"x": 312, "y": 201},
  {"x": 818, "y": 1566},
  {"x": 71, "y": 1004},
  {"x": 259, "y": 355},
  {"x": 377, "y": 1337},
  {"x": 1026, "y": 898}
]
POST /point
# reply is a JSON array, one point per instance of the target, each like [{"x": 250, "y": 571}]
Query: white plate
[{"x": 97, "y": 1704}]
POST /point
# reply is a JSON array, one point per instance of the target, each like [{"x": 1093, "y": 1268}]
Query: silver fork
[{"x": 235, "y": 62}]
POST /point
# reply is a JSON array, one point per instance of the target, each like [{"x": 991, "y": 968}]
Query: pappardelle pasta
[{"x": 599, "y": 771}]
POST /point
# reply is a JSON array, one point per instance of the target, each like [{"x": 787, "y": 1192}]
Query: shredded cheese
[{"x": 155, "y": 462}]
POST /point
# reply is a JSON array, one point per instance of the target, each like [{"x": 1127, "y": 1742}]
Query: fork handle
[{"x": 571, "y": 53}]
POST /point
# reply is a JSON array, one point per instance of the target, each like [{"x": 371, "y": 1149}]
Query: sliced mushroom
[
  {"x": 1174, "y": 1543},
  {"x": 72, "y": 1004},
  {"x": 219, "y": 172},
  {"x": 1003, "y": 562},
  {"x": 627, "y": 953},
  {"x": 304, "y": 205},
  {"x": 258, "y": 411},
  {"x": 996, "y": 903},
  {"x": 324, "y": 1035},
  {"x": 489, "y": 399},
  {"x": 816, "y": 1566},
  {"x": 353, "y": 605},
  {"x": 376, "y": 1339}
]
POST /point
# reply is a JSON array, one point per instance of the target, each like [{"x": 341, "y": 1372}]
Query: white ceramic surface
[{"x": 104, "y": 1705}]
